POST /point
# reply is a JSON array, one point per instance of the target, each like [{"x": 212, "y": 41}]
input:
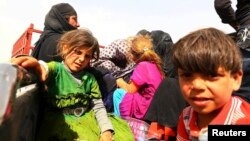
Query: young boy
[{"x": 209, "y": 69}]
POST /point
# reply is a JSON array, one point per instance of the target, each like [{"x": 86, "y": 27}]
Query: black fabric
[
  {"x": 167, "y": 104},
  {"x": 119, "y": 59},
  {"x": 107, "y": 85},
  {"x": 46, "y": 49},
  {"x": 243, "y": 37},
  {"x": 242, "y": 17},
  {"x": 244, "y": 91},
  {"x": 163, "y": 44},
  {"x": 54, "y": 26},
  {"x": 65, "y": 9},
  {"x": 23, "y": 124},
  {"x": 228, "y": 15}
]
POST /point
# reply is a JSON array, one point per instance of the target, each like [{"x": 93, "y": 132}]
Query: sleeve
[
  {"x": 225, "y": 11},
  {"x": 95, "y": 90},
  {"x": 244, "y": 108},
  {"x": 44, "y": 64},
  {"x": 141, "y": 74},
  {"x": 51, "y": 70},
  {"x": 101, "y": 115}
]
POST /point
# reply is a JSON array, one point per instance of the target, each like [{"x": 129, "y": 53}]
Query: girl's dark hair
[{"x": 205, "y": 50}]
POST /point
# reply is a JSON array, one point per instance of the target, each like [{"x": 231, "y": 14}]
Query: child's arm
[
  {"x": 29, "y": 62},
  {"x": 103, "y": 120},
  {"x": 130, "y": 87}
]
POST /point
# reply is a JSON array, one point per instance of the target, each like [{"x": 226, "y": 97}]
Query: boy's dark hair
[{"x": 205, "y": 50}]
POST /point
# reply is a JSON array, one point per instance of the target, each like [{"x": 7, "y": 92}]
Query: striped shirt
[{"x": 234, "y": 112}]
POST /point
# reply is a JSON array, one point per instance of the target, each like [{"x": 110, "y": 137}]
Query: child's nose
[
  {"x": 81, "y": 58},
  {"x": 198, "y": 83}
]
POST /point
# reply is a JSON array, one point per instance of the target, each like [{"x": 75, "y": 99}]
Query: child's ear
[{"x": 237, "y": 80}]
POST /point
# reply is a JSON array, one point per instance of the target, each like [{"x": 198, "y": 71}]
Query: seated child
[
  {"x": 74, "y": 109},
  {"x": 133, "y": 99}
]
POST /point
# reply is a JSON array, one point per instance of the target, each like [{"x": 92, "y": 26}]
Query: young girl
[
  {"x": 133, "y": 98},
  {"x": 210, "y": 69},
  {"x": 74, "y": 107}
]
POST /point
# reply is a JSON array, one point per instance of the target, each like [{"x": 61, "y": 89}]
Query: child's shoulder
[
  {"x": 243, "y": 102},
  {"x": 53, "y": 63},
  {"x": 243, "y": 113},
  {"x": 89, "y": 74}
]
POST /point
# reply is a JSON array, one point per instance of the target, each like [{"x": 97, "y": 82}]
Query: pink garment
[{"x": 147, "y": 77}]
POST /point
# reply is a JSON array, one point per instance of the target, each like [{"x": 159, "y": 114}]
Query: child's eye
[
  {"x": 186, "y": 74},
  {"x": 87, "y": 56},
  {"x": 213, "y": 76},
  {"x": 78, "y": 52}
]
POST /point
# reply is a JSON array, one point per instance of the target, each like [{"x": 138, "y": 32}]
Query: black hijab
[
  {"x": 163, "y": 44},
  {"x": 55, "y": 23}
]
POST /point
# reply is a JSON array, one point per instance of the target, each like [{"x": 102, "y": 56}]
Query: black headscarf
[
  {"x": 163, "y": 44},
  {"x": 55, "y": 23}
]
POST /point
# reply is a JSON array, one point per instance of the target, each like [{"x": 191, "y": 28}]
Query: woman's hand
[{"x": 107, "y": 136}]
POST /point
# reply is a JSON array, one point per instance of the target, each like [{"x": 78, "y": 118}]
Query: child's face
[
  {"x": 78, "y": 59},
  {"x": 208, "y": 93}
]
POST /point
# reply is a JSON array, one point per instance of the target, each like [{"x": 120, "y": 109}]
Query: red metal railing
[{"x": 23, "y": 45}]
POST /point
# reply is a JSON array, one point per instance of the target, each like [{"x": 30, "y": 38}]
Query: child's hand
[
  {"x": 29, "y": 62},
  {"x": 120, "y": 82},
  {"x": 25, "y": 62},
  {"x": 130, "y": 87},
  {"x": 107, "y": 136}
]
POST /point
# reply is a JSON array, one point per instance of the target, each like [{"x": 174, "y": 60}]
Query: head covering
[
  {"x": 143, "y": 32},
  {"x": 163, "y": 44},
  {"x": 55, "y": 23},
  {"x": 115, "y": 58},
  {"x": 55, "y": 20},
  {"x": 65, "y": 9}
]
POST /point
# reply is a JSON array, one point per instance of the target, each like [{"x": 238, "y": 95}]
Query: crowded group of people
[{"x": 176, "y": 88}]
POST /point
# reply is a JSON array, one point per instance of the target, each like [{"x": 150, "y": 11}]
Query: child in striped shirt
[{"x": 209, "y": 70}]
